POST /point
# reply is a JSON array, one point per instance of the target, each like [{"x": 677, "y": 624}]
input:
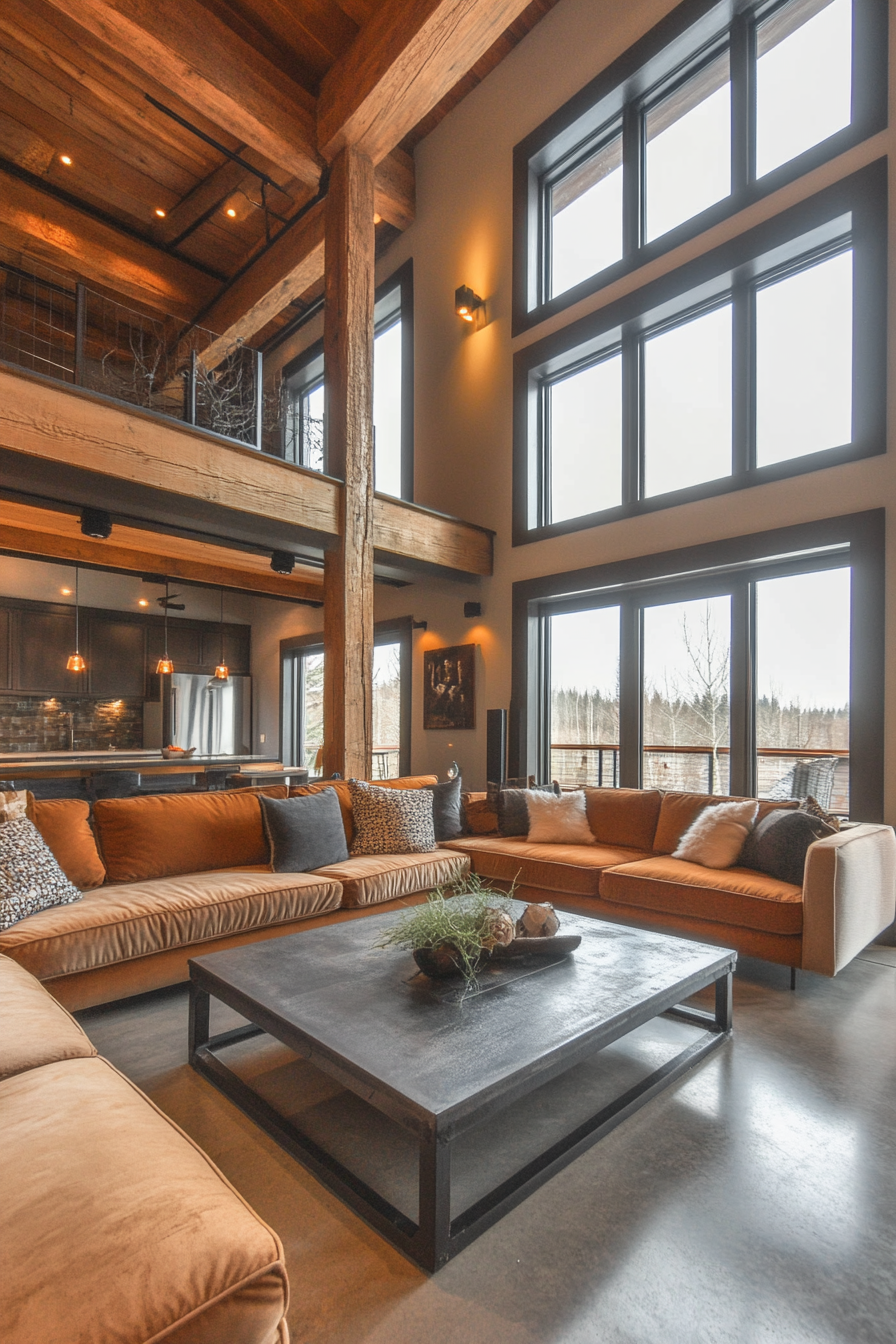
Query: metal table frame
[{"x": 437, "y": 1237}]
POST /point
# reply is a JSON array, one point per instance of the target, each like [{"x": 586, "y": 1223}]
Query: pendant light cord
[{"x": 77, "y": 612}]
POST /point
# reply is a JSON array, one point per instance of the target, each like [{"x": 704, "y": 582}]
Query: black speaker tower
[{"x": 496, "y": 746}]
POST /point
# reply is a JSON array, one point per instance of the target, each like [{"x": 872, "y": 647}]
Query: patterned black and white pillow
[
  {"x": 30, "y": 878},
  {"x": 391, "y": 821}
]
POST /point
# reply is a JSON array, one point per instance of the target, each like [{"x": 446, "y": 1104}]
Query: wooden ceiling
[{"x": 76, "y": 84}]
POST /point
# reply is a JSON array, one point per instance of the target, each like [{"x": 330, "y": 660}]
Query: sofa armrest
[{"x": 849, "y": 895}]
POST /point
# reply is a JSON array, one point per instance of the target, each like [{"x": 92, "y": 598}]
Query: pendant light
[
  {"x": 76, "y": 663},
  {"x": 222, "y": 671},
  {"x": 165, "y": 666}
]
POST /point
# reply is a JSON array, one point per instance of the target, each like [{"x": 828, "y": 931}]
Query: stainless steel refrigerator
[{"x": 215, "y": 718}]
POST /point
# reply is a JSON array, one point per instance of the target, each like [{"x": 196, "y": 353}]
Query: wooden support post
[{"x": 348, "y": 371}]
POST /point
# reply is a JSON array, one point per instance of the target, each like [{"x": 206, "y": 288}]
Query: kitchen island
[{"x": 18, "y": 768}]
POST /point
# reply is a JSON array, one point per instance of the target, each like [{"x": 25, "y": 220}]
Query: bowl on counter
[{"x": 177, "y": 753}]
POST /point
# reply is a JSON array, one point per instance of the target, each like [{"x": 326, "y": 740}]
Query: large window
[
  {"x": 751, "y": 666},
  {"x": 302, "y": 701},
  {"x": 702, "y": 116},
  {"x": 393, "y": 394},
  {"x": 759, "y": 360}
]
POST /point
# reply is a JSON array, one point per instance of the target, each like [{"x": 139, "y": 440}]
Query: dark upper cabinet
[
  {"x": 116, "y": 666},
  {"x": 184, "y": 646},
  {"x": 236, "y": 649},
  {"x": 42, "y": 644},
  {"x": 4, "y": 649}
]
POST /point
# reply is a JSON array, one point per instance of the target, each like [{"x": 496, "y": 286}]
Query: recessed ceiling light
[
  {"x": 161, "y": 213},
  {"x": 377, "y": 219},
  {"x": 230, "y": 212},
  {"x": 66, "y": 159},
  {"x": 66, "y": 592}
]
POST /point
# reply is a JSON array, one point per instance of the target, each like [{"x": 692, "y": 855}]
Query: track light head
[
  {"x": 282, "y": 562},
  {"x": 96, "y": 523}
]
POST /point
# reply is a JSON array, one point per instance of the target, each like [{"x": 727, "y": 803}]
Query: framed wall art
[{"x": 449, "y": 687}]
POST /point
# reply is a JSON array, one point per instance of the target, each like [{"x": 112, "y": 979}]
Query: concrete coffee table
[{"x": 439, "y": 1060}]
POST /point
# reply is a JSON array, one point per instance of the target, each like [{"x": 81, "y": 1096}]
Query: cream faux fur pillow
[
  {"x": 717, "y": 837},
  {"x": 558, "y": 819}
]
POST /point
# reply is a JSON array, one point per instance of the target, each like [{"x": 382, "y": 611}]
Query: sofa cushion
[
  {"x": 36, "y": 1029},
  {"x": 679, "y": 810},
  {"x": 64, "y": 824},
  {"x": 448, "y": 820},
  {"x": 345, "y": 798},
  {"x": 170, "y": 834},
  {"x": 304, "y": 833},
  {"x": 558, "y": 819},
  {"x": 482, "y": 819},
  {"x": 717, "y": 837},
  {"x": 116, "y": 924},
  {"x": 30, "y": 878},
  {"x": 780, "y": 842},
  {"x": 727, "y": 896},
  {"x": 623, "y": 816},
  {"x": 513, "y": 807},
  {"x": 574, "y": 869},
  {"x": 391, "y": 821},
  {"x": 118, "y": 1227},
  {"x": 372, "y": 878}
]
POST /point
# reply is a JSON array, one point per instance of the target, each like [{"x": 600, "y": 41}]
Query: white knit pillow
[
  {"x": 558, "y": 820},
  {"x": 717, "y": 836}
]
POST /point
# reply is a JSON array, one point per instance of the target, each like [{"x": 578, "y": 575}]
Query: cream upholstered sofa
[
  {"x": 113, "y": 1224},
  {"x": 847, "y": 897},
  {"x": 173, "y": 876}
]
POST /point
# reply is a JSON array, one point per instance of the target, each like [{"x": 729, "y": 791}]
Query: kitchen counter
[{"x": 68, "y": 764}]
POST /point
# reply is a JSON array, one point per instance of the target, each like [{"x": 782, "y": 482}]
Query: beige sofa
[
  {"x": 847, "y": 897},
  {"x": 114, "y": 1225},
  {"x": 173, "y": 876}
]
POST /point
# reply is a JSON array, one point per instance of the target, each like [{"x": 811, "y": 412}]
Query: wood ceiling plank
[
  {"x": 196, "y": 55},
  {"x": 304, "y": 63},
  {"x": 403, "y": 61},
  {"x": 24, "y": 147},
  {"x": 59, "y": 234},
  {"x": 207, "y": 195}
]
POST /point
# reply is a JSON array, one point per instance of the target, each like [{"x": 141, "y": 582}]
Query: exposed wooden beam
[
  {"x": 65, "y": 237},
  {"x": 394, "y": 189},
  {"x": 407, "y": 56},
  {"x": 421, "y": 535},
  {"x": 280, "y": 274},
  {"x": 194, "y": 54},
  {"x": 56, "y": 536},
  {"x": 205, "y": 197},
  {"x": 348, "y": 568}
]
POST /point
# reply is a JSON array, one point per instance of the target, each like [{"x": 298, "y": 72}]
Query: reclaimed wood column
[{"x": 348, "y": 371}]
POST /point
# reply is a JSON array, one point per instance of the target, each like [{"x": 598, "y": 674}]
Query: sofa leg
[{"x": 793, "y": 977}]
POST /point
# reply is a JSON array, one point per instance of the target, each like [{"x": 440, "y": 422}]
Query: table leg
[
  {"x": 725, "y": 1002},
  {"x": 434, "y": 1217},
  {"x": 199, "y": 1019}
]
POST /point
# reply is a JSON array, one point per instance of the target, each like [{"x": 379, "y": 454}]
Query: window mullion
[
  {"x": 741, "y": 68},
  {"x": 743, "y": 381},
  {"x": 632, "y": 180},
  {"x": 630, "y": 694},
  {"x": 741, "y": 716},
  {"x": 632, "y": 404}
]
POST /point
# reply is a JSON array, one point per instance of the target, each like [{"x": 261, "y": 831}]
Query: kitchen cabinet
[
  {"x": 42, "y": 642},
  {"x": 116, "y": 665}
]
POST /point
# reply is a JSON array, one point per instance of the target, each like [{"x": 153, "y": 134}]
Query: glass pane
[
  {"x": 585, "y": 697},
  {"x": 312, "y": 727},
  {"x": 804, "y": 362},
  {"x": 689, "y": 149},
  {"x": 687, "y": 648},
  {"x": 386, "y": 711},
  {"x": 312, "y": 428},
  {"x": 586, "y": 441},
  {"x": 802, "y": 688},
  {"x": 586, "y": 218},
  {"x": 387, "y": 410},
  {"x": 803, "y": 78},
  {"x": 687, "y": 403}
]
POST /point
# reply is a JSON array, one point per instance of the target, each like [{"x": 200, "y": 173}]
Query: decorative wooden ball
[
  {"x": 537, "y": 921},
  {"x": 501, "y": 929}
]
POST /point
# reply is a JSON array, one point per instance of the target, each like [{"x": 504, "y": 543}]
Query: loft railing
[
  {"x": 697, "y": 768},
  {"x": 161, "y": 364}
]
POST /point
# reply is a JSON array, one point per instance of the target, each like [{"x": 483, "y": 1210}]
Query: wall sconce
[
  {"x": 418, "y": 625},
  {"x": 469, "y": 306}
]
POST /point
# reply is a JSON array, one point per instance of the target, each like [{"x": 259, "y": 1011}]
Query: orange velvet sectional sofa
[
  {"x": 173, "y": 876},
  {"x": 847, "y": 898}
]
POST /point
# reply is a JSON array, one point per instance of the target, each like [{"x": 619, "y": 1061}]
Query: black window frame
[
  {"x": 393, "y": 302},
  {"x": 671, "y": 53},
  {"x": 850, "y": 214},
  {"x": 730, "y": 566}
]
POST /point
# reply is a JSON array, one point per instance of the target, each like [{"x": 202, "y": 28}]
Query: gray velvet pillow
[
  {"x": 304, "y": 833},
  {"x": 448, "y": 818},
  {"x": 778, "y": 843},
  {"x": 513, "y": 810}
]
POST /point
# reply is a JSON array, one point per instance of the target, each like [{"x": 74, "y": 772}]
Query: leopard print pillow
[
  {"x": 30, "y": 877},
  {"x": 391, "y": 821}
]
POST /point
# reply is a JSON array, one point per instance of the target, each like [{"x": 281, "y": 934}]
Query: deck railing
[
  {"x": 162, "y": 364},
  {"x": 694, "y": 769}
]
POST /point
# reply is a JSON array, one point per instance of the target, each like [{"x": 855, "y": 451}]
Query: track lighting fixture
[
  {"x": 96, "y": 523},
  {"x": 282, "y": 562}
]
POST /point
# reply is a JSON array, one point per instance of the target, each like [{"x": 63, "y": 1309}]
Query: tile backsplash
[{"x": 36, "y": 723}]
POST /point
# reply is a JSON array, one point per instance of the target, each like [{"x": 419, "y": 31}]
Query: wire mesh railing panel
[{"x": 38, "y": 319}]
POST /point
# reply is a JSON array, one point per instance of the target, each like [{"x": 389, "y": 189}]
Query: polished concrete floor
[{"x": 752, "y": 1202}]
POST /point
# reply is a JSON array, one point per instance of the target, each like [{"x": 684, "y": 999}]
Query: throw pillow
[
  {"x": 716, "y": 838},
  {"x": 391, "y": 821},
  {"x": 30, "y": 878},
  {"x": 513, "y": 809},
  {"x": 304, "y": 833},
  {"x": 559, "y": 820},
  {"x": 815, "y": 809},
  {"x": 447, "y": 809},
  {"x": 15, "y": 804},
  {"x": 779, "y": 844}
]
